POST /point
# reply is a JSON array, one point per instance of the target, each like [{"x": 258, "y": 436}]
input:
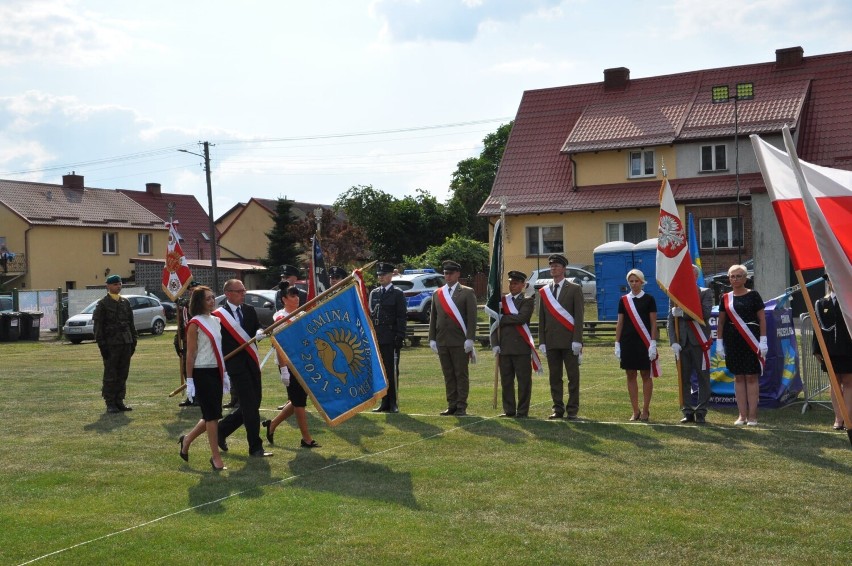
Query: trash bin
[
  {"x": 30, "y": 325},
  {"x": 10, "y": 326}
]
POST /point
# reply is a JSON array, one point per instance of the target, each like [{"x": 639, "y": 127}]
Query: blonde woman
[{"x": 636, "y": 342}]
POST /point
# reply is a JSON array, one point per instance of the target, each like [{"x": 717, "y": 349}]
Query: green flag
[{"x": 492, "y": 304}]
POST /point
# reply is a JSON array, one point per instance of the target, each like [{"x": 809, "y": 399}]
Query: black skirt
[{"x": 208, "y": 392}]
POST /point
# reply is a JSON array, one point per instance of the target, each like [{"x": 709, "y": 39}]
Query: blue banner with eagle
[{"x": 332, "y": 352}]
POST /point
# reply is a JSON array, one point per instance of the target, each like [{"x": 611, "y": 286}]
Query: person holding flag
[
  {"x": 636, "y": 342},
  {"x": 388, "y": 309},
  {"x": 838, "y": 343},
  {"x": 452, "y": 328},
  {"x": 514, "y": 345},
  {"x": 742, "y": 342}
]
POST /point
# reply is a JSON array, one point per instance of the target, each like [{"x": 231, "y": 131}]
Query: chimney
[
  {"x": 617, "y": 78},
  {"x": 153, "y": 188},
  {"x": 72, "y": 181},
  {"x": 789, "y": 57}
]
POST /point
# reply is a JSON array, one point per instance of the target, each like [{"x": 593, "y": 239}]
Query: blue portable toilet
[
  {"x": 645, "y": 260},
  {"x": 612, "y": 262}
]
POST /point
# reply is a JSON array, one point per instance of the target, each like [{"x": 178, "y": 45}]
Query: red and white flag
[
  {"x": 674, "y": 264},
  {"x": 176, "y": 273},
  {"x": 814, "y": 208}
]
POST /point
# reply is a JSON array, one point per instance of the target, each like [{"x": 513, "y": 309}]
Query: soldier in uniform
[
  {"x": 336, "y": 274},
  {"x": 388, "y": 310},
  {"x": 291, "y": 274},
  {"x": 512, "y": 342},
  {"x": 115, "y": 334}
]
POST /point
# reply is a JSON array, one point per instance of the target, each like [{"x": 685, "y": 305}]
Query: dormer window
[{"x": 642, "y": 164}]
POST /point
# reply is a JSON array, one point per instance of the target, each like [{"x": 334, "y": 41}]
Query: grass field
[{"x": 80, "y": 486}]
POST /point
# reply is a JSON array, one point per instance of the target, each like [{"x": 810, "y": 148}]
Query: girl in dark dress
[
  {"x": 631, "y": 348},
  {"x": 835, "y": 333},
  {"x": 740, "y": 358}
]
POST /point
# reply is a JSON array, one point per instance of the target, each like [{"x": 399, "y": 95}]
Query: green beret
[{"x": 113, "y": 279}]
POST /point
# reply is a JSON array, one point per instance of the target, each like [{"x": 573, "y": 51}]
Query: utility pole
[{"x": 213, "y": 264}]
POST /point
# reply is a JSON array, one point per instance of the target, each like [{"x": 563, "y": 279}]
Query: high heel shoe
[
  {"x": 269, "y": 434},
  {"x": 215, "y": 469},
  {"x": 184, "y": 455}
]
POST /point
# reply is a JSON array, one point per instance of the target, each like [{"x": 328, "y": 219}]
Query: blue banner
[
  {"x": 333, "y": 353},
  {"x": 694, "y": 252}
]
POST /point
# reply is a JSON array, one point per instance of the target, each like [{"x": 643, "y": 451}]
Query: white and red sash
[
  {"x": 215, "y": 339},
  {"x": 642, "y": 330},
  {"x": 450, "y": 307},
  {"x": 705, "y": 342},
  {"x": 555, "y": 309},
  {"x": 510, "y": 308},
  {"x": 742, "y": 328},
  {"x": 233, "y": 327}
]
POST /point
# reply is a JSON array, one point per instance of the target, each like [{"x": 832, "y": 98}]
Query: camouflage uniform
[{"x": 115, "y": 334}]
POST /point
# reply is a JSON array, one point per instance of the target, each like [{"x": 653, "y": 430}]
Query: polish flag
[
  {"x": 674, "y": 264},
  {"x": 176, "y": 273}
]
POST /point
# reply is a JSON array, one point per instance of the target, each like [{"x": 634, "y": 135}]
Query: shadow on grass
[
  {"x": 585, "y": 436},
  {"x": 108, "y": 422},
  {"x": 207, "y": 496},
  {"x": 499, "y": 429},
  {"x": 353, "y": 430},
  {"x": 406, "y": 423}
]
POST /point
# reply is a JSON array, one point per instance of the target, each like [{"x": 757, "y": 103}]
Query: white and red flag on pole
[
  {"x": 674, "y": 264},
  {"x": 814, "y": 208},
  {"x": 176, "y": 273}
]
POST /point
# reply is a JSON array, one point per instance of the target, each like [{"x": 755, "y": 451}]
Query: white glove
[
  {"x": 226, "y": 383},
  {"x": 677, "y": 311},
  {"x": 542, "y": 349},
  {"x": 652, "y": 350},
  {"x": 468, "y": 346},
  {"x": 618, "y": 350},
  {"x": 285, "y": 375},
  {"x": 580, "y": 359},
  {"x": 763, "y": 347},
  {"x": 577, "y": 348},
  {"x": 676, "y": 348},
  {"x": 259, "y": 336},
  {"x": 190, "y": 388},
  {"x": 496, "y": 350},
  {"x": 720, "y": 348},
  {"x": 433, "y": 345}
]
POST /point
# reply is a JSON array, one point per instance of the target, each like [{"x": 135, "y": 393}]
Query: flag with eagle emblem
[
  {"x": 674, "y": 264},
  {"x": 332, "y": 351},
  {"x": 176, "y": 273}
]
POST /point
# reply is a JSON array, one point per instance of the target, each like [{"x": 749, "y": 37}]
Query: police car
[{"x": 418, "y": 286}]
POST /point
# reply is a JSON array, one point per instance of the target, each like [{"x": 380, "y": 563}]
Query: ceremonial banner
[
  {"x": 694, "y": 251},
  {"x": 317, "y": 276},
  {"x": 492, "y": 305},
  {"x": 176, "y": 273},
  {"x": 674, "y": 264},
  {"x": 332, "y": 352}
]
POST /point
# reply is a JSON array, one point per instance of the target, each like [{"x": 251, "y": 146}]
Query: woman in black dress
[
  {"x": 739, "y": 354},
  {"x": 835, "y": 333},
  {"x": 637, "y": 347}
]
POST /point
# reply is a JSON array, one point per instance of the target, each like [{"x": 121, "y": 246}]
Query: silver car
[
  {"x": 148, "y": 316},
  {"x": 578, "y": 274},
  {"x": 263, "y": 302}
]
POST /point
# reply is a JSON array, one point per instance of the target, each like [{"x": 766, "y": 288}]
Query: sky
[{"x": 305, "y": 99}]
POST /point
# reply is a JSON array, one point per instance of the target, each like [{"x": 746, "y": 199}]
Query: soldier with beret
[
  {"x": 115, "y": 333},
  {"x": 452, "y": 328},
  {"x": 560, "y": 335},
  {"x": 512, "y": 342},
  {"x": 388, "y": 310},
  {"x": 336, "y": 274}
]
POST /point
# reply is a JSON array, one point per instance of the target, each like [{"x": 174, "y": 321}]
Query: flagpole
[{"x": 499, "y": 280}]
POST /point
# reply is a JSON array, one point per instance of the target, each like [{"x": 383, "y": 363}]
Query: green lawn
[{"x": 95, "y": 488}]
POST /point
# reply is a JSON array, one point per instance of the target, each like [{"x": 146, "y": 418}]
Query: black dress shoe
[
  {"x": 113, "y": 409},
  {"x": 230, "y": 405},
  {"x": 187, "y": 403},
  {"x": 269, "y": 435},
  {"x": 507, "y": 414},
  {"x": 311, "y": 444},
  {"x": 555, "y": 416},
  {"x": 460, "y": 413},
  {"x": 260, "y": 454},
  {"x": 380, "y": 409},
  {"x": 700, "y": 419},
  {"x": 688, "y": 419},
  {"x": 393, "y": 409},
  {"x": 572, "y": 417},
  {"x": 123, "y": 407},
  {"x": 447, "y": 412},
  {"x": 184, "y": 455},
  {"x": 215, "y": 469},
  {"x": 521, "y": 416},
  {"x": 223, "y": 444}
]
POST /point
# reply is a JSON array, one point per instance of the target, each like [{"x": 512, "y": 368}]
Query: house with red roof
[{"x": 584, "y": 163}]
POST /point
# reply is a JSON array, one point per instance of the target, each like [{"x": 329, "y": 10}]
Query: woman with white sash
[
  {"x": 636, "y": 342},
  {"x": 205, "y": 372},
  {"x": 743, "y": 343}
]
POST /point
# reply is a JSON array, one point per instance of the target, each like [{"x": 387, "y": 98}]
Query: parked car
[
  {"x": 148, "y": 316},
  {"x": 263, "y": 302},
  {"x": 721, "y": 278},
  {"x": 579, "y": 274},
  {"x": 6, "y": 303},
  {"x": 418, "y": 286}
]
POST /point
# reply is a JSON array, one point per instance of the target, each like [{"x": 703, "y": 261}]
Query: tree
[
  {"x": 284, "y": 245},
  {"x": 472, "y": 183},
  {"x": 343, "y": 243},
  {"x": 470, "y": 254}
]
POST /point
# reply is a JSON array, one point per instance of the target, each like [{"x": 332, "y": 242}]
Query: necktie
[
  {"x": 382, "y": 294},
  {"x": 240, "y": 315}
]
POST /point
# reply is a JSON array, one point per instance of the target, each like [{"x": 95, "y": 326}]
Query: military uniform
[
  {"x": 514, "y": 351},
  {"x": 388, "y": 310},
  {"x": 115, "y": 333}
]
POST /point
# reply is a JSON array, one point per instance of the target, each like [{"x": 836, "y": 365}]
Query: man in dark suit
[
  {"x": 511, "y": 341},
  {"x": 336, "y": 275},
  {"x": 560, "y": 335},
  {"x": 388, "y": 310},
  {"x": 689, "y": 347},
  {"x": 452, "y": 328},
  {"x": 240, "y": 325}
]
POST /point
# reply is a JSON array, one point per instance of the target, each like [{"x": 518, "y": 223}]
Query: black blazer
[
  {"x": 242, "y": 363},
  {"x": 389, "y": 314}
]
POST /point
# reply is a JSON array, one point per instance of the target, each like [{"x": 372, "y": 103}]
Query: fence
[{"x": 815, "y": 382}]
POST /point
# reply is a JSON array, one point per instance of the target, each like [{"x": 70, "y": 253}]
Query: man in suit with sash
[
  {"x": 560, "y": 335},
  {"x": 452, "y": 328},
  {"x": 240, "y": 325}
]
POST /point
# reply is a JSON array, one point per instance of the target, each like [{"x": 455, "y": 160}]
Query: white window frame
[
  {"x": 645, "y": 155},
  {"x": 714, "y": 166},
  {"x": 540, "y": 240},
  {"x": 730, "y": 222},
  {"x": 620, "y": 225},
  {"x": 109, "y": 243},
  {"x": 144, "y": 244}
]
